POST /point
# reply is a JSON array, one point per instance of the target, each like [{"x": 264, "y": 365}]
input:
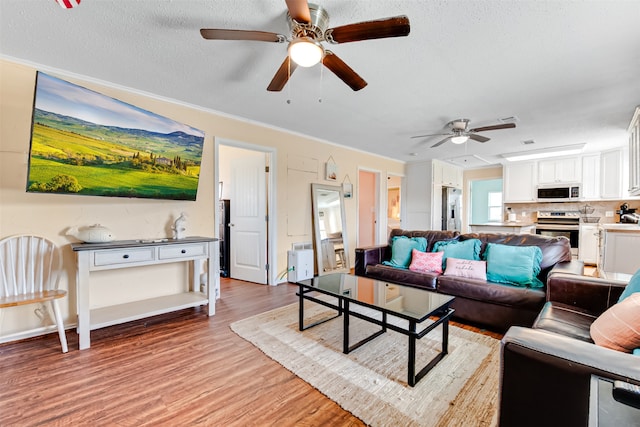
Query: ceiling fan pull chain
[
  {"x": 321, "y": 77},
  {"x": 289, "y": 80}
]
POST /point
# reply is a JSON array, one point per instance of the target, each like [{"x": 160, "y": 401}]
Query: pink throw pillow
[
  {"x": 466, "y": 268},
  {"x": 618, "y": 328},
  {"x": 426, "y": 262}
]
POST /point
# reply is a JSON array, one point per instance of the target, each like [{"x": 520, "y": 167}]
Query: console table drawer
[
  {"x": 123, "y": 256},
  {"x": 182, "y": 251}
]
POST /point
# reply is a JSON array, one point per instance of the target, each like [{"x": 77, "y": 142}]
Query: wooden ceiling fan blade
[
  {"x": 439, "y": 143},
  {"x": 260, "y": 36},
  {"x": 281, "y": 77},
  {"x": 494, "y": 127},
  {"x": 478, "y": 138},
  {"x": 299, "y": 10},
  {"x": 343, "y": 71},
  {"x": 397, "y": 26}
]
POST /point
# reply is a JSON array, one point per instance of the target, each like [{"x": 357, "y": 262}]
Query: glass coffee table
[{"x": 415, "y": 305}]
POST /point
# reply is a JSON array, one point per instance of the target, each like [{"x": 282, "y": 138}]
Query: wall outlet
[{"x": 608, "y": 214}]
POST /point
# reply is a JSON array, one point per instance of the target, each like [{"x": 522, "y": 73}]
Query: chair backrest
[{"x": 28, "y": 264}]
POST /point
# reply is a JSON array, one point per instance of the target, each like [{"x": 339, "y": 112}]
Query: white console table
[{"x": 92, "y": 257}]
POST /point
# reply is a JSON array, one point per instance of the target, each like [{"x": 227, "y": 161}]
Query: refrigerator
[{"x": 451, "y": 208}]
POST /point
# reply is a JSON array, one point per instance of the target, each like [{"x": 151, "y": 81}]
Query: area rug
[{"x": 371, "y": 382}]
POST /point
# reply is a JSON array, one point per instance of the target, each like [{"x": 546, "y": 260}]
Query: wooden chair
[{"x": 29, "y": 274}]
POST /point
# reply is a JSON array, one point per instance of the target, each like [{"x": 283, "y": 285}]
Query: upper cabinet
[
  {"x": 591, "y": 176},
  {"x": 560, "y": 170},
  {"x": 446, "y": 174},
  {"x": 634, "y": 154},
  {"x": 611, "y": 174},
  {"x": 519, "y": 182}
]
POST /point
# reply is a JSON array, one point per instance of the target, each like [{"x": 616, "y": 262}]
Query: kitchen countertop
[
  {"x": 620, "y": 227},
  {"x": 505, "y": 224}
]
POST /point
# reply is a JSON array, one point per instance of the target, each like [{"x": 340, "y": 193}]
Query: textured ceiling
[{"x": 568, "y": 71}]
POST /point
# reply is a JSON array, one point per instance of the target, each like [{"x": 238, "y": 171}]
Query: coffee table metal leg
[
  {"x": 345, "y": 327},
  {"x": 411, "y": 368}
]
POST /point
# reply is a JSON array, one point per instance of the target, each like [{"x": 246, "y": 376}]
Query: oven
[{"x": 560, "y": 223}]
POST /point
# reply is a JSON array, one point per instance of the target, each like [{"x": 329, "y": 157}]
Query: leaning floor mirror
[{"x": 329, "y": 230}]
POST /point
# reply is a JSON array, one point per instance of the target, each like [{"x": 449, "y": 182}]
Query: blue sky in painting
[{"x": 61, "y": 97}]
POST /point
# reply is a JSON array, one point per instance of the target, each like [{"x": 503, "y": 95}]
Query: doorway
[
  {"x": 368, "y": 212},
  {"x": 485, "y": 201},
  {"x": 242, "y": 171},
  {"x": 394, "y": 203}
]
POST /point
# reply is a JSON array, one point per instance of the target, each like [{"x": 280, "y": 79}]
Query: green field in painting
[
  {"x": 103, "y": 167},
  {"x": 106, "y": 180}
]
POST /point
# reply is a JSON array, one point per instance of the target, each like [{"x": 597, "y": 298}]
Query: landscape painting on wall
[{"x": 86, "y": 143}]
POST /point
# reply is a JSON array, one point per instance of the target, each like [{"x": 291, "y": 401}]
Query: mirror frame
[{"x": 317, "y": 239}]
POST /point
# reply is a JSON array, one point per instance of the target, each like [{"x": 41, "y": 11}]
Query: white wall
[{"x": 51, "y": 214}]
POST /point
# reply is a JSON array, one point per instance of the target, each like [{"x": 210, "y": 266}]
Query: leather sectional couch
[
  {"x": 494, "y": 305},
  {"x": 546, "y": 370}
]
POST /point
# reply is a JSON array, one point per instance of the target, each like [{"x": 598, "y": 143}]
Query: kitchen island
[
  {"x": 619, "y": 248},
  {"x": 512, "y": 227}
]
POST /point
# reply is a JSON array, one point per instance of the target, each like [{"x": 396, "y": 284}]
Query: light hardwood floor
[{"x": 181, "y": 368}]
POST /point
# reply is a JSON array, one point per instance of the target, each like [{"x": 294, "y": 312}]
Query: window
[{"x": 494, "y": 206}]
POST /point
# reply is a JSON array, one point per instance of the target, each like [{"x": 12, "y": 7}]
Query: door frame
[
  {"x": 403, "y": 201},
  {"x": 272, "y": 212}
]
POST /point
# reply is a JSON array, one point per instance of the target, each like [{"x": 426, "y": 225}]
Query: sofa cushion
[
  {"x": 565, "y": 320},
  {"x": 466, "y": 268},
  {"x": 432, "y": 236},
  {"x": 494, "y": 293},
  {"x": 469, "y": 249},
  {"x": 425, "y": 262},
  {"x": 402, "y": 276},
  {"x": 515, "y": 265},
  {"x": 632, "y": 287},
  {"x": 401, "y": 248},
  {"x": 618, "y": 328}
]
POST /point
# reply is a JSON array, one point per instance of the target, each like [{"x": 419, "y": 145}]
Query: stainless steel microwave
[{"x": 559, "y": 193}]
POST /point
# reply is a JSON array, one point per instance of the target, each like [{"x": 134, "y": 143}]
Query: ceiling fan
[
  {"x": 460, "y": 133},
  {"x": 309, "y": 27}
]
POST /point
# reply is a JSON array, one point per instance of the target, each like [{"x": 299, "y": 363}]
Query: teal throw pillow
[
  {"x": 636, "y": 352},
  {"x": 466, "y": 249},
  {"x": 401, "y": 247},
  {"x": 632, "y": 287},
  {"x": 515, "y": 265}
]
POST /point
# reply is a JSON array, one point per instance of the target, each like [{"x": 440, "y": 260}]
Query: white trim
[
  {"x": 36, "y": 332},
  {"x": 272, "y": 231},
  {"x": 63, "y": 73}
]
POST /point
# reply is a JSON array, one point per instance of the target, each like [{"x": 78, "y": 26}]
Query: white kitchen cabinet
[
  {"x": 559, "y": 170},
  {"x": 519, "y": 182},
  {"x": 588, "y": 243},
  {"x": 620, "y": 250},
  {"x": 611, "y": 173},
  {"x": 419, "y": 191},
  {"x": 446, "y": 174},
  {"x": 424, "y": 194},
  {"x": 591, "y": 177}
]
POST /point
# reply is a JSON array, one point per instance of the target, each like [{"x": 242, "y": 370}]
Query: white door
[{"x": 248, "y": 224}]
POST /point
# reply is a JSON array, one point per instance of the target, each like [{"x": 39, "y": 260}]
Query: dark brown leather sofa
[
  {"x": 546, "y": 370},
  {"x": 491, "y": 304}
]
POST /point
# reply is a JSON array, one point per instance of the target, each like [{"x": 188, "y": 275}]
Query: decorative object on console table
[
  {"x": 179, "y": 227},
  {"x": 93, "y": 234},
  {"x": 96, "y": 257}
]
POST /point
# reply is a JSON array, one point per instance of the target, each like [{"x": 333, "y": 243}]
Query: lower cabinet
[
  {"x": 588, "y": 243},
  {"x": 620, "y": 252}
]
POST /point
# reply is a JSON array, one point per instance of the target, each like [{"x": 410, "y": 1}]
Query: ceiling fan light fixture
[
  {"x": 305, "y": 51},
  {"x": 459, "y": 139}
]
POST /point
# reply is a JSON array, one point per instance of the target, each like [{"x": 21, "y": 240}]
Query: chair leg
[{"x": 60, "y": 324}]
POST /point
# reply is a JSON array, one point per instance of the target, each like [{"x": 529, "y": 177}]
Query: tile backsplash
[{"x": 527, "y": 212}]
